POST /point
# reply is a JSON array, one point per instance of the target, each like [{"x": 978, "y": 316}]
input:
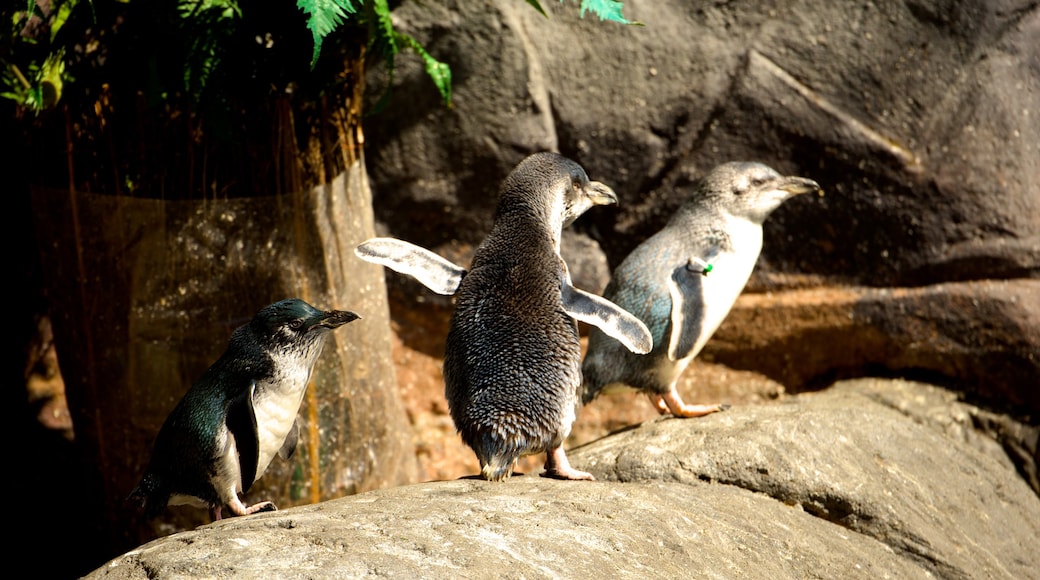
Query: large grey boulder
[
  {"x": 847, "y": 456},
  {"x": 871, "y": 479}
]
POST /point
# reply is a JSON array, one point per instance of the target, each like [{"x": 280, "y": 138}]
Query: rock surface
[{"x": 836, "y": 484}]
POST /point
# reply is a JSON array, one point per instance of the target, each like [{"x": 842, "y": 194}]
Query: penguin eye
[
  {"x": 757, "y": 182},
  {"x": 296, "y": 324}
]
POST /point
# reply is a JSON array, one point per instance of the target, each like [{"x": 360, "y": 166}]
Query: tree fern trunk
[{"x": 169, "y": 234}]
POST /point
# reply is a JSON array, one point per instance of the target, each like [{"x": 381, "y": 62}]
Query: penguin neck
[
  {"x": 745, "y": 235},
  {"x": 526, "y": 222}
]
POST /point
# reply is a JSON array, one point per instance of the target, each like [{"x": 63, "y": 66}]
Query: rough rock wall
[{"x": 918, "y": 118}]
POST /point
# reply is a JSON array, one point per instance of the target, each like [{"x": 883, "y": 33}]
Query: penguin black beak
[
  {"x": 334, "y": 318},
  {"x": 600, "y": 194},
  {"x": 798, "y": 185}
]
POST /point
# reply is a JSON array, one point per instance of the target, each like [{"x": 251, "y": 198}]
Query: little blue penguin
[
  {"x": 512, "y": 364},
  {"x": 683, "y": 280},
  {"x": 224, "y": 432}
]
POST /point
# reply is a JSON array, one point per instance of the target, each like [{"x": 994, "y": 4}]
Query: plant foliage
[
  {"x": 36, "y": 49},
  {"x": 207, "y": 24}
]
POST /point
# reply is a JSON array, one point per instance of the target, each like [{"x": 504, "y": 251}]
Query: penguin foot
[
  {"x": 672, "y": 403},
  {"x": 558, "y": 467},
  {"x": 240, "y": 509},
  {"x": 659, "y": 404},
  {"x": 569, "y": 475}
]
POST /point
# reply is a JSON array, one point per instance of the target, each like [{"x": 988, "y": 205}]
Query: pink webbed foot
[
  {"x": 673, "y": 403},
  {"x": 558, "y": 467},
  {"x": 240, "y": 509}
]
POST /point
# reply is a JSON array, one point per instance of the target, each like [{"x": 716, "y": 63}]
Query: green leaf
[
  {"x": 439, "y": 72},
  {"x": 381, "y": 39},
  {"x": 51, "y": 75},
  {"x": 207, "y": 25},
  {"x": 324, "y": 16},
  {"x": 62, "y": 15},
  {"x": 538, "y": 6},
  {"x": 606, "y": 10}
]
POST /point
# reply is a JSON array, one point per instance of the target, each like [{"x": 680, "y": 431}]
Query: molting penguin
[
  {"x": 683, "y": 280},
  {"x": 221, "y": 437},
  {"x": 512, "y": 364}
]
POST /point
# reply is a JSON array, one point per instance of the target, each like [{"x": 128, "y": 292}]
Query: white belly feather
[
  {"x": 730, "y": 273},
  {"x": 276, "y": 403}
]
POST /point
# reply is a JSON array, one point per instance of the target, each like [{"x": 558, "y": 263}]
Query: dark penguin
[
  {"x": 684, "y": 279},
  {"x": 223, "y": 434},
  {"x": 512, "y": 364}
]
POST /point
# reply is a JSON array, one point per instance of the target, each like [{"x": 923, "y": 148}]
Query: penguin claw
[{"x": 262, "y": 507}]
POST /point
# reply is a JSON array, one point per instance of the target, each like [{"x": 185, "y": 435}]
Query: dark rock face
[
  {"x": 919, "y": 119},
  {"x": 986, "y": 334},
  {"x": 867, "y": 479}
]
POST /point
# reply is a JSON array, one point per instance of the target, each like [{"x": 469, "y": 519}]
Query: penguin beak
[
  {"x": 333, "y": 318},
  {"x": 600, "y": 194},
  {"x": 798, "y": 185}
]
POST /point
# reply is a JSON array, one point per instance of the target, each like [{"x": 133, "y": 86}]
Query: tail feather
[
  {"x": 497, "y": 470},
  {"x": 150, "y": 494}
]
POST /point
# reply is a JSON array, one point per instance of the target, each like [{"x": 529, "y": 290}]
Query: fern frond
[
  {"x": 207, "y": 25},
  {"x": 324, "y": 16},
  {"x": 388, "y": 43},
  {"x": 438, "y": 72},
  {"x": 606, "y": 10},
  {"x": 382, "y": 41}
]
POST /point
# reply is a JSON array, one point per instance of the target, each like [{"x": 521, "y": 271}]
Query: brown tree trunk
[{"x": 146, "y": 281}]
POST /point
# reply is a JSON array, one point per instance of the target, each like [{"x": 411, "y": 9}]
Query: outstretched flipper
[
  {"x": 433, "y": 271},
  {"x": 613, "y": 320}
]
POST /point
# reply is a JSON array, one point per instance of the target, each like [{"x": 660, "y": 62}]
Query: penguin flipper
[
  {"x": 241, "y": 422},
  {"x": 614, "y": 321},
  {"x": 291, "y": 440},
  {"x": 686, "y": 287},
  {"x": 433, "y": 271}
]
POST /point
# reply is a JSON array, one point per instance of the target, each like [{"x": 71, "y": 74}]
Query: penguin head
[
  {"x": 556, "y": 188},
  {"x": 293, "y": 321},
  {"x": 750, "y": 190}
]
